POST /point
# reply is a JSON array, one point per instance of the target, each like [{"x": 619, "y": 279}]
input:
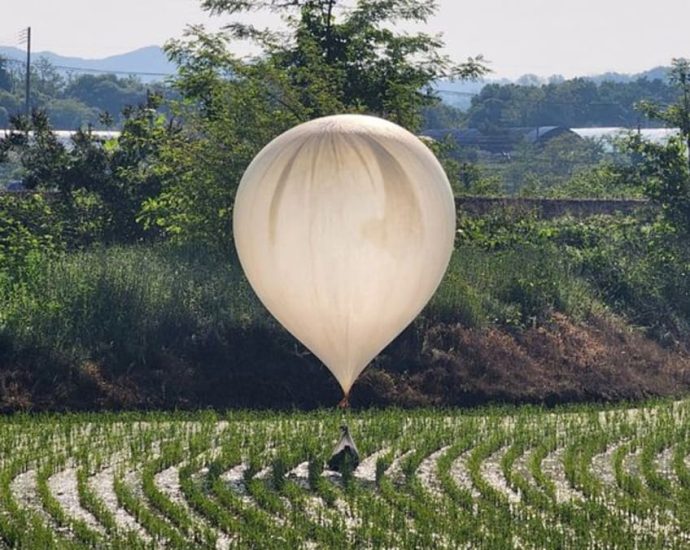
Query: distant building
[
  {"x": 501, "y": 141},
  {"x": 505, "y": 140},
  {"x": 654, "y": 135},
  {"x": 15, "y": 186},
  {"x": 65, "y": 136}
]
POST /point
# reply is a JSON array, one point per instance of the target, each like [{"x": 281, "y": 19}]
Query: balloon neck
[{"x": 344, "y": 402}]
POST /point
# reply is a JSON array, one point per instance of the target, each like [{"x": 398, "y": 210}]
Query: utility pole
[
  {"x": 28, "y": 73},
  {"x": 26, "y": 36}
]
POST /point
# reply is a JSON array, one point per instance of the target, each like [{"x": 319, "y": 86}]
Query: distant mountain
[{"x": 150, "y": 59}]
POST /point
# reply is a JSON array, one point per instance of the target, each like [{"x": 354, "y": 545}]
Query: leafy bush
[
  {"x": 125, "y": 304},
  {"x": 29, "y": 228},
  {"x": 635, "y": 265}
]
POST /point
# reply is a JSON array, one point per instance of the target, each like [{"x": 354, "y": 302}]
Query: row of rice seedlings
[
  {"x": 380, "y": 514},
  {"x": 610, "y": 512},
  {"x": 666, "y": 501},
  {"x": 582, "y": 524},
  {"x": 536, "y": 517},
  {"x": 21, "y": 527},
  {"x": 293, "y": 510},
  {"x": 160, "y": 530},
  {"x": 91, "y": 460},
  {"x": 171, "y": 455}
]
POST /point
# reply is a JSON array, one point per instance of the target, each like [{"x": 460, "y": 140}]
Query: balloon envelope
[{"x": 344, "y": 227}]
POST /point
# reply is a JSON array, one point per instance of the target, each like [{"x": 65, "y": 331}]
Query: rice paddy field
[{"x": 490, "y": 478}]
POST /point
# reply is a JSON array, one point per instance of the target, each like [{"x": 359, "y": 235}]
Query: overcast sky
[{"x": 569, "y": 37}]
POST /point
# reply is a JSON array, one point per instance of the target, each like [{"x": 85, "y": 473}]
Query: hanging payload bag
[{"x": 345, "y": 454}]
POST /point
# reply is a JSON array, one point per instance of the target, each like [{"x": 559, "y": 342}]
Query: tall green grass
[
  {"x": 126, "y": 301},
  {"x": 518, "y": 286}
]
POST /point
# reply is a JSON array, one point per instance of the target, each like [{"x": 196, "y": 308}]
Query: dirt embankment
[
  {"x": 439, "y": 364},
  {"x": 600, "y": 360}
]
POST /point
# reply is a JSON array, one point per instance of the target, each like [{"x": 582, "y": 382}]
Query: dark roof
[{"x": 499, "y": 141}]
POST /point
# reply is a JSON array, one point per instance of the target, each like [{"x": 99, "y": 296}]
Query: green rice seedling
[{"x": 446, "y": 478}]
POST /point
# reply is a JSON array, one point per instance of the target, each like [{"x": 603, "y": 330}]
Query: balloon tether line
[{"x": 344, "y": 402}]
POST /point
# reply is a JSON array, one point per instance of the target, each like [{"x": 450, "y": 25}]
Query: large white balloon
[{"x": 344, "y": 227}]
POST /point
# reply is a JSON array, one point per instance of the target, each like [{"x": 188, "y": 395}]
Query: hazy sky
[{"x": 574, "y": 37}]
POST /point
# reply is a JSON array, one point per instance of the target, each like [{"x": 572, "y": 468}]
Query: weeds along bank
[
  {"x": 494, "y": 478},
  {"x": 530, "y": 311}
]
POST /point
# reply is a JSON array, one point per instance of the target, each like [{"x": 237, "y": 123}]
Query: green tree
[
  {"x": 107, "y": 93},
  {"x": 576, "y": 103},
  {"x": 115, "y": 177},
  {"x": 46, "y": 81},
  {"x": 676, "y": 115},
  {"x": 70, "y": 114},
  {"x": 352, "y": 55},
  {"x": 665, "y": 167},
  {"x": 442, "y": 116},
  {"x": 327, "y": 60},
  {"x": 9, "y": 105}
]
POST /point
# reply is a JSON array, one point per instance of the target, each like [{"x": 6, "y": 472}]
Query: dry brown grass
[{"x": 600, "y": 360}]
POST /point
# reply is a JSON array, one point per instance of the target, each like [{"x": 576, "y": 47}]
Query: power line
[
  {"x": 10, "y": 39},
  {"x": 453, "y": 92},
  {"x": 107, "y": 71},
  {"x": 97, "y": 71}
]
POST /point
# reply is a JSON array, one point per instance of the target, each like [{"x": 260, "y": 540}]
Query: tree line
[
  {"x": 574, "y": 103},
  {"x": 174, "y": 169},
  {"x": 70, "y": 100}
]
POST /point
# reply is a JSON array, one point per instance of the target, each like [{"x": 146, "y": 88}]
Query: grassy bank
[{"x": 541, "y": 313}]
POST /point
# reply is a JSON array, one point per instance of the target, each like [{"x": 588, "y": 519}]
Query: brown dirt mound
[
  {"x": 436, "y": 365},
  {"x": 601, "y": 360}
]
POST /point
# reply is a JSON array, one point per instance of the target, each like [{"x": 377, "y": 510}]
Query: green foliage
[
  {"x": 70, "y": 113},
  {"x": 104, "y": 94},
  {"x": 71, "y": 101},
  {"x": 124, "y": 305},
  {"x": 36, "y": 227},
  {"x": 666, "y": 177},
  {"x": 353, "y": 55},
  {"x": 466, "y": 175},
  {"x": 575, "y": 103},
  {"x": 562, "y": 166},
  {"x": 30, "y": 230},
  {"x": 116, "y": 177},
  {"x": 46, "y": 81},
  {"x": 665, "y": 168},
  {"x": 543, "y": 169},
  {"x": 677, "y": 114},
  {"x": 553, "y": 163},
  {"x": 520, "y": 286},
  {"x": 606, "y": 180},
  {"x": 457, "y": 301},
  {"x": 5, "y": 76},
  {"x": 330, "y": 60},
  {"x": 441, "y": 116},
  {"x": 177, "y": 176},
  {"x": 227, "y": 124},
  {"x": 636, "y": 266}
]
